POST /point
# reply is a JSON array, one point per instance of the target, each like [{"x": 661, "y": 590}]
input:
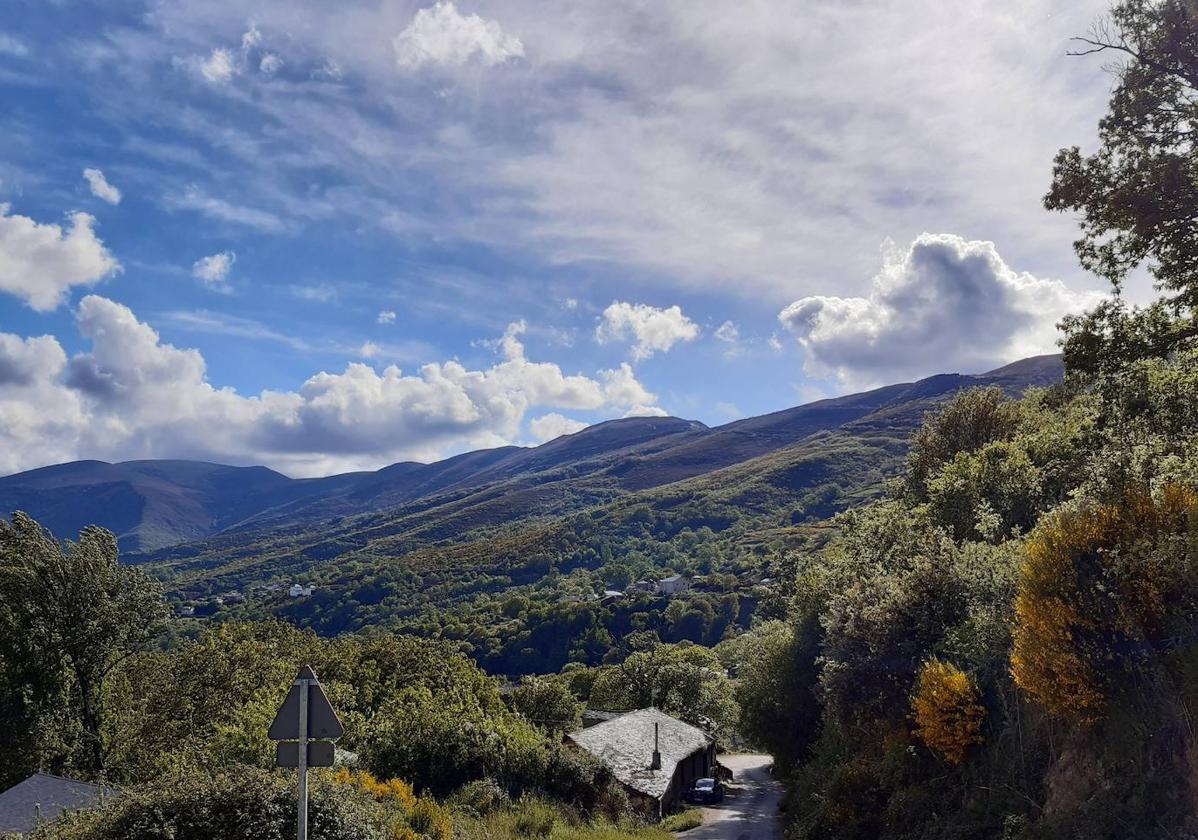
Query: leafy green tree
[
  {"x": 547, "y": 703},
  {"x": 1138, "y": 192},
  {"x": 685, "y": 680},
  {"x": 966, "y": 423},
  {"x": 69, "y": 616}
]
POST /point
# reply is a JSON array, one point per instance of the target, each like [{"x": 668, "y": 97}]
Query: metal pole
[{"x": 302, "y": 805}]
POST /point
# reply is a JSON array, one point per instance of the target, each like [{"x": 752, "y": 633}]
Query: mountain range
[{"x": 171, "y": 509}]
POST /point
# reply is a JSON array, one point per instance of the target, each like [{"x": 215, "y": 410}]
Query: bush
[
  {"x": 241, "y": 803},
  {"x": 946, "y": 711},
  {"x": 481, "y": 798},
  {"x": 534, "y": 818}
]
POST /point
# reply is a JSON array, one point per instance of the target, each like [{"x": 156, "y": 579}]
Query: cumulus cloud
[
  {"x": 369, "y": 350},
  {"x": 440, "y": 34},
  {"x": 386, "y": 316},
  {"x": 100, "y": 187},
  {"x": 554, "y": 425},
  {"x": 728, "y": 333},
  {"x": 944, "y": 302},
  {"x": 132, "y": 395},
  {"x": 218, "y": 67},
  {"x": 649, "y": 329},
  {"x": 39, "y": 263},
  {"x": 214, "y": 270},
  {"x": 270, "y": 64}
]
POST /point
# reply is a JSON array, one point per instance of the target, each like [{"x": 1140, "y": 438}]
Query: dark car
[{"x": 707, "y": 791}]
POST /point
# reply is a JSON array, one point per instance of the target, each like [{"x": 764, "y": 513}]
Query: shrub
[
  {"x": 241, "y": 803},
  {"x": 430, "y": 819},
  {"x": 481, "y": 797},
  {"x": 946, "y": 711},
  {"x": 1102, "y": 591},
  {"x": 534, "y": 818}
]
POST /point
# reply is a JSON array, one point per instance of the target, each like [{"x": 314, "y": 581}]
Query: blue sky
[{"x": 333, "y": 236}]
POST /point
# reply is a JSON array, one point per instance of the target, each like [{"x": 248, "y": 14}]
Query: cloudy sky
[{"x": 330, "y": 236}]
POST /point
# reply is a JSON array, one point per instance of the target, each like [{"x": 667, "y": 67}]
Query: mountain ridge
[{"x": 153, "y": 505}]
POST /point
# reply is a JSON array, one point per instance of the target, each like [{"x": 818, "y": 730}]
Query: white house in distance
[
  {"x": 673, "y": 585},
  {"x": 298, "y": 590}
]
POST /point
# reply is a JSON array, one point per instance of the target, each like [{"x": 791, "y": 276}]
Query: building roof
[
  {"x": 48, "y": 796},
  {"x": 625, "y": 745}
]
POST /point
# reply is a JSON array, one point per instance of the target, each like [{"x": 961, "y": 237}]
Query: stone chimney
[{"x": 656, "y": 763}]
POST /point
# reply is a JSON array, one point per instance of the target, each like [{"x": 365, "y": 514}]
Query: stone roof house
[
  {"x": 42, "y": 798},
  {"x": 657, "y": 758}
]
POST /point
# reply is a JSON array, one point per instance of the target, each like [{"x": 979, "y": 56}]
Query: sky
[{"x": 332, "y": 236}]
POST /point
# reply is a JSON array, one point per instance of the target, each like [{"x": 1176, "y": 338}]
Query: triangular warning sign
[{"x": 323, "y": 723}]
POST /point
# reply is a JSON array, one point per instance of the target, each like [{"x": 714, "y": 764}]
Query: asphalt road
[{"x": 750, "y": 807}]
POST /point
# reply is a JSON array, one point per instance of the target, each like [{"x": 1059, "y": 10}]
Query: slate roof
[
  {"x": 625, "y": 745},
  {"x": 54, "y": 794}
]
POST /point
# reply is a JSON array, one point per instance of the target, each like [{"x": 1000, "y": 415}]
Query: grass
[
  {"x": 683, "y": 820},
  {"x": 536, "y": 819}
]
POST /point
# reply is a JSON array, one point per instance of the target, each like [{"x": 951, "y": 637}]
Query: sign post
[{"x": 305, "y": 726}]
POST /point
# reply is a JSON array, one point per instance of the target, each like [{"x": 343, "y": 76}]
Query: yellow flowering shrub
[
  {"x": 945, "y": 707},
  {"x": 1096, "y": 589}
]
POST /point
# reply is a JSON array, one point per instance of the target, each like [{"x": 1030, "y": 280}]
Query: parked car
[{"x": 707, "y": 791}]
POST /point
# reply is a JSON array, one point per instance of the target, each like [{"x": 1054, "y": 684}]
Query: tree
[
  {"x": 966, "y": 423},
  {"x": 70, "y": 615},
  {"x": 1138, "y": 193},
  {"x": 546, "y": 702},
  {"x": 684, "y": 680}
]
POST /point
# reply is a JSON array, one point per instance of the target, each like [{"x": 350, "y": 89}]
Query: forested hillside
[{"x": 512, "y": 559}]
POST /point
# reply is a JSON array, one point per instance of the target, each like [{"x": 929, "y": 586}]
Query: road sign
[
  {"x": 320, "y": 754},
  {"x": 322, "y": 720},
  {"x": 306, "y": 714}
]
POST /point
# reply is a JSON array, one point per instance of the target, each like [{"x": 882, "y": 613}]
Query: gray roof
[
  {"x": 19, "y": 805},
  {"x": 625, "y": 745}
]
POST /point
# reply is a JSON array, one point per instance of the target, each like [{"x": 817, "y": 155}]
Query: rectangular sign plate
[{"x": 320, "y": 754}]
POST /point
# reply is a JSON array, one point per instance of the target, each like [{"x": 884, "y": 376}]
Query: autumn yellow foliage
[
  {"x": 395, "y": 790},
  {"x": 1094, "y": 591},
  {"x": 948, "y": 716}
]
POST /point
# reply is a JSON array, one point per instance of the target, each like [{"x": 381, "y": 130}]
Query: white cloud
[
  {"x": 132, "y": 395},
  {"x": 270, "y": 64},
  {"x": 219, "y": 66},
  {"x": 774, "y": 343},
  {"x": 369, "y": 350},
  {"x": 728, "y": 332},
  {"x": 251, "y": 38},
  {"x": 646, "y": 411},
  {"x": 100, "y": 187},
  {"x": 214, "y": 269},
  {"x": 440, "y": 34},
  {"x": 386, "y": 316},
  {"x": 650, "y": 329},
  {"x": 554, "y": 425},
  {"x": 942, "y": 303},
  {"x": 40, "y": 263}
]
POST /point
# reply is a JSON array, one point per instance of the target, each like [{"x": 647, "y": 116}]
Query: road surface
[{"x": 750, "y": 807}]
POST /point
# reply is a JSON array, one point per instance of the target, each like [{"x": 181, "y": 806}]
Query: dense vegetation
[{"x": 1006, "y": 645}]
